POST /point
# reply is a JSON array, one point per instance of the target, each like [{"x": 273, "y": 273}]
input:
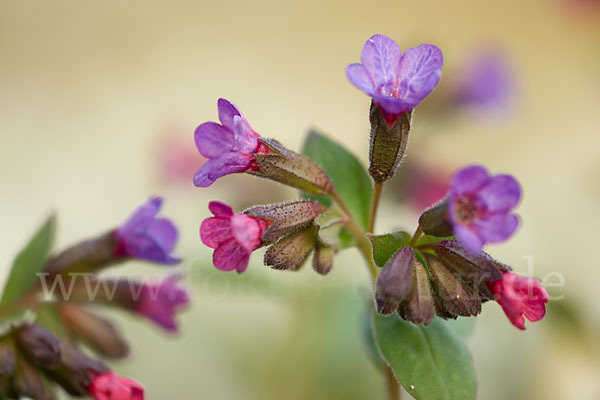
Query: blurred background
[{"x": 99, "y": 102}]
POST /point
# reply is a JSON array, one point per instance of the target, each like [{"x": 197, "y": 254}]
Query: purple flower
[
  {"x": 229, "y": 146},
  {"x": 233, "y": 236},
  {"x": 396, "y": 82},
  {"x": 486, "y": 82},
  {"x": 159, "y": 302},
  {"x": 146, "y": 237},
  {"x": 479, "y": 207}
]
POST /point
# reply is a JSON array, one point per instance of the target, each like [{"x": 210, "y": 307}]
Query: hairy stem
[
  {"x": 375, "y": 205},
  {"x": 418, "y": 233},
  {"x": 392, "y": 385}
]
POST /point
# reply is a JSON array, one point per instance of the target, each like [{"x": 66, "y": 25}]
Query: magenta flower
[
  {"x": 519, "y": 296},
  {"x": 233, "y": 236},
  {"x": 146, "y": 237},
  {"x": 109, "y": 386},
  {"x": 479, "y": 207},
  {"x": 229, "y": 147},
  {"x": 159, "y": 302},
  {"x": 396, "y": 82}
]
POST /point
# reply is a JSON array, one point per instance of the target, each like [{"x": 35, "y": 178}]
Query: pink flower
[
  {"x": 519, "y": 296},
  {"x": 233, "y": 236},
  {"x": 109, "y": 386}
]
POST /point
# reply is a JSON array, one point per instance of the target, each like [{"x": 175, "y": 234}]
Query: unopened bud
[
  {"x": 285, "y": 218},
  {"x": 86, "y": 256},
  {"x": 7, "y": 356},
  {"x": 322, "y": 261},
  {"x": 434, "y": 220},
  {"x": 388, "y": 143},
  {"x": 290, "y": 168},
  {"x": 29, "y": 382},
  {"x": 74, "y": 374},
  {"x": 38, "y": 344},
  {"x": 395, "y": 281},
  {"x": 291, "y": 251},
  {"x": 452, "y": 297},
  {"x": 97, "y": 332},
  {"x": 418, "y": 308}
]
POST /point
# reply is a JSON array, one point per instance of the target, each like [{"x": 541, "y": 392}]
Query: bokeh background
[{"x": 98, "y": 104}]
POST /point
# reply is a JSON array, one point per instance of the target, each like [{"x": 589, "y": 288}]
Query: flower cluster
[
  {"x": 444, "y": 273},
  {"x": 33, "y": 355}
]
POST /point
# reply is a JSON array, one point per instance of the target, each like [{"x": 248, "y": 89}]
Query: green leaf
[
  {"x": 347, "y": 173},
  {"x": 384, "y": 246},
  {"x": 429, "y": 361},
  {"x": 49, "y": 317},
  {"x": 29, "y": 261},
  {"x": 427, "y": 239}
]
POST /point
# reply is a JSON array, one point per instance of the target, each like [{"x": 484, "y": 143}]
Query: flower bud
[
  {"x": 38, "y": 344},
  {"x": 434, "y": 220},
  {"x": 452, "y": 297},
  {"x": 86, "y": 256},
  {"x": 322, "y": 261},
  {"x": 291, "y": 251},
  {"x": 97, "y": 332},
  {"x": 388, "y": 143},
  {"x": 290, "y": 168},
  {"x": 418, "y": 308},
  {"x": 285, "y": 218},
  {"x": 395, "y": 281},
  {"x": 28, "y": 382},
  {"x": 7, "y": 356},
  {"x": 109, "y": 386},
  {"x": 73, "y": 373}
]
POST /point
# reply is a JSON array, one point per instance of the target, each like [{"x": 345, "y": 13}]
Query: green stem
[
  {"x": 392, "y": 384},
  {"x": 374, "y": 205},
  {"x": 418, "y": 233}
]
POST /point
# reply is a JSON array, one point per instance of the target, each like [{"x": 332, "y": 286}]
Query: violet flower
[
  {"x": 159, "y": 302},
  {"x": 486, "y": 82},
  {"x": 109, "y": 386},
  {"x": 233, "y": 236},
  {"x": 519, "y": 296},
  {"x": 145, "y": 237},
  {"x": 229, "y": 146},
  {"x": 396, "y": 82},
  {"x": 479, "y": 207}
]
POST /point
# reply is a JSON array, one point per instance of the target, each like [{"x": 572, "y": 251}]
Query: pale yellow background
[{"x": 89, "y": 89}]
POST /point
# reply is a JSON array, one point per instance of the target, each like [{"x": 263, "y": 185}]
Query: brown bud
[
  {"x": 322, "y": 261},
  {"x": 7, "y": 356},
  {"x": 291, "y": 251},
  {"x": 38, "y": 344},
  {"x": 97, "y": 332},
  {"x": 292, "y": 169},
  {"x": 28, "y": 382},
  {"x": 452, "y": 296},
  {"x": 434, "y": 220},
  {"x": 86, "y": 256},
  {"x": 388, "y": 144},
  {"x": 286, "y": 217},
  {"x": 473, "y": 269},
  {"x": 395, "y": 281},
  {"x": 418, "y": 308}
]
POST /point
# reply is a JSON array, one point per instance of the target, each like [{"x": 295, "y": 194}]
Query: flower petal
[
  {"x": 469, "y": 238},
  {"x": 392, "y": 105},
  {"x": 468, "y": 179},
  {"x": 500, "y": 193},
  {"x": 381, "y": 57},
  {"x": 230, "y": 255},
  {"x": 420, "y": 71},
  {"x": 534, "y": 310},
  {"x": 212, "y": 139},
  {"x": 214, "y": 231},
  {"x": 227, "y": 111},
  {"x": 496, "y": 228},
  {"x": 164, "y": 234},
  {"x": 246, "y": 231},
  {"x": 246, "y": 140},
  {"x": 220, "y": 209},
  {"x": 357, "y": 74},
  {"x": 201, "y": 178}
]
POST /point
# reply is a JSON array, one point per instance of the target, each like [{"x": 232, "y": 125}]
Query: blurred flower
[
  {"x": 146, "y": 237},
  {"x": 519, "y": 296},
  {"x": 230, "y": 146},
  {"x": 486, "y": 82},
  {"x": 233, "y": 236},
  {"x": 158, "y": 302},
  {"x": 109, "y": 386},
  {"x": 423, "y": 185},
  {"x": 479, "y": 207},
  {"x": 396, "y": 82},
  {"x": 177, "y": 160}
]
